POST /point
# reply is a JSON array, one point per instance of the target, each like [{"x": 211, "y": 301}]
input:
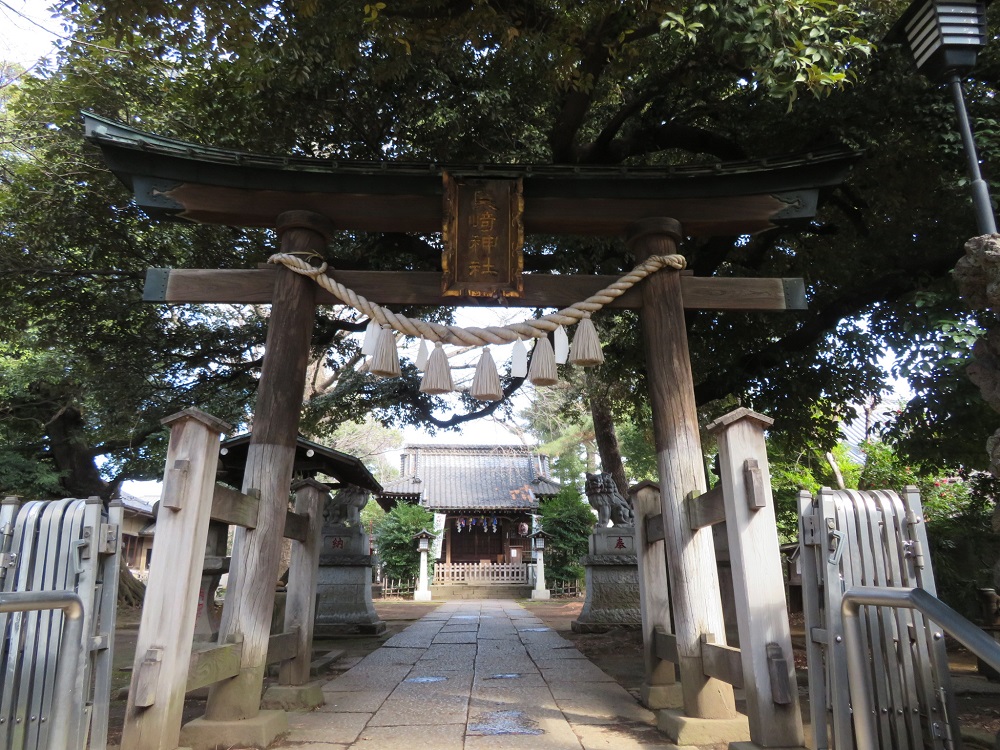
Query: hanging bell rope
[{"x": 473, "y": 336}]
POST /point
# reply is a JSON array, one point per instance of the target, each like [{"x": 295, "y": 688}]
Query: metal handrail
[
  {"x": 64, "y": 697},
  {"x": 966, "y": 633}
]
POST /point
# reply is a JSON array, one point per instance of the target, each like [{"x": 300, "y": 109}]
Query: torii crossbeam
[{"x": 307, "y": 200}]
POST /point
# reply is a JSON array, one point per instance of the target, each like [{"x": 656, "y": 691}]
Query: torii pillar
[
  {"x": 234, "y": 705},
  {"x": 691, "y": 565}
]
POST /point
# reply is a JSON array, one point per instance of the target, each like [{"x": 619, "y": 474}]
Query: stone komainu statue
[
  {"x": 603, "y": 494},
  {"x": 344, "y": 508}
]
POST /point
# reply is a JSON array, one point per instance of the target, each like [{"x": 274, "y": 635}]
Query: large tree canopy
[{"x": 88, "y": 372}]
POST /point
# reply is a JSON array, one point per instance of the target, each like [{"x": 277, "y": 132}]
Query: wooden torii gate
[{"x": 308, "y": 200}]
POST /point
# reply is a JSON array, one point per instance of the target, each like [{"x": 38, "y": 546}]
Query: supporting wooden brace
[
  {"x": 236, "y": 508},
  {"x": 706, "y": 509},
  {"x": 765, "y": 656},
  {"x": 721, "y": 662},
  {"x": 300, "y": 599},
  {"x": 659, "y": 688},
  {"x": 212, "y": 663},
  {"x": 283, "y": 646},
  {"x": 163, "y": 645},
  {"x": 296, "y": 526},
  {"x": 665, "y": 645}
]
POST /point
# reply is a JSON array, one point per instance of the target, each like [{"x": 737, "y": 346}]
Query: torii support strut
[
  {"x": 694, "y": 582},
  {"x": 256, "y": 552}
]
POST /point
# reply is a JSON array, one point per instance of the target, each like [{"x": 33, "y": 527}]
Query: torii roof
[
  {"x": 174, "y": 179},
  {"x": 472, "y": 478}
]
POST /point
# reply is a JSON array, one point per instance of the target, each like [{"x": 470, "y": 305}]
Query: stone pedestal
[
  {"x": 612, "y": 582},
  {"x": 344, "y": 584}
]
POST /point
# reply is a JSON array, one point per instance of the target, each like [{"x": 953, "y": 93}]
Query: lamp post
[
  {"x": 944, "y": 38},
  {"x": 538, "y": 544},
  {"x": 423, "y": 592}
]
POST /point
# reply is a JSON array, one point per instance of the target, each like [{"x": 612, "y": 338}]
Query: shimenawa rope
[{"x": 473, "y": 336}]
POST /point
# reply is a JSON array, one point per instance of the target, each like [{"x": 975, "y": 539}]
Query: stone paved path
[{"x": 476, "y": 675}]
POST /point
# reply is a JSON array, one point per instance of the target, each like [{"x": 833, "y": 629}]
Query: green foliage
[
  {"x": 568, "y": 520},
  {"x": 797, "y": 468},
  {"x": 638, "y": 449},
  {"x": 371, "y": 516},
  {"x": 560, "y": 418},
  {"x": 587, "y": 82},
  {"x": 394, "y": 540}
]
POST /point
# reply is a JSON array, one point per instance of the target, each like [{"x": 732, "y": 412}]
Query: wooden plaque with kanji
[{"x": 483, "y": 237}]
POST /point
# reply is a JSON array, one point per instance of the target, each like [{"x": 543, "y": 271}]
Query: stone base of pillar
[
  {"x": 612, "y": 582},
  {"x": 258, "y": 731},
  {"x": 684, "y": 730},
  {"x": 421, "y": 596},
  {"x": 344, "y": 589},
  {"x": 755, "y": 746},
  {"x": 540, "y": 594},
  {"x": 294, "y": 697},
  {"x": 655, "y": 697}
]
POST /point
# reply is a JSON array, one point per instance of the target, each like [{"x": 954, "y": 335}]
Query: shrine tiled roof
[{"x": 479, "y": 477}]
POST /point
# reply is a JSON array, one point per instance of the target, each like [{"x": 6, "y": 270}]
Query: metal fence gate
[
  {"x": 51, "y": 546},
  {"x": 873, "y": 539}
]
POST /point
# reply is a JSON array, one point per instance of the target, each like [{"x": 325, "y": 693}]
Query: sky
[{"x": 27, "y": 30}]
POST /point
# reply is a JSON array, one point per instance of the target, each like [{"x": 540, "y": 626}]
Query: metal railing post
[
  {"x": 65, "y": 716},
  {"x": 970, "y": 636}
]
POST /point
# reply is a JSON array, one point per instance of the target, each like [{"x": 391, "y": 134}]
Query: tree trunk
[
  {"x": 131, "y": 591},
  {"x": 607, "y": 441},
  {"x": 73, "y": 457}
]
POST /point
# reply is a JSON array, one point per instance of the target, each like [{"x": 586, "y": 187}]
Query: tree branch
[
  {"x": 456, "y": 419},
  {"x": 674, "y": 135},
  {"x": 889, "y": 287}
]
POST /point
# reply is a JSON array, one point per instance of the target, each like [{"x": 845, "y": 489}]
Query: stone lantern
[{"x": 423, "y": 592}]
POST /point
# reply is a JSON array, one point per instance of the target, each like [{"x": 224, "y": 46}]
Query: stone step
[{"x": 448, "y": 592}]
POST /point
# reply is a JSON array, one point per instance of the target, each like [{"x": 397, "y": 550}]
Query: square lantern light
[
  {"x": 944, "y": 37},
  {"x": 538, "y": 540},
  {"x": 423, "y": 538}
]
